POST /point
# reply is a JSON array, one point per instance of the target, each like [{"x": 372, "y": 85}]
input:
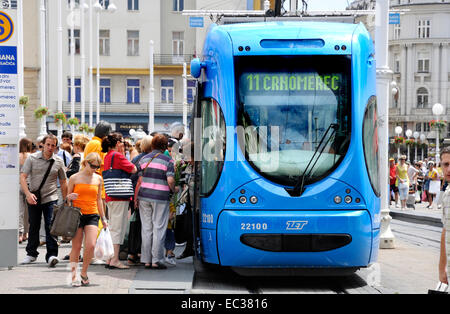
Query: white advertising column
[{"x": 9, "y": 139}]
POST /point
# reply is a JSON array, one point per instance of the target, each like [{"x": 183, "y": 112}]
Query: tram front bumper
[{"x": 294, "y": 238}]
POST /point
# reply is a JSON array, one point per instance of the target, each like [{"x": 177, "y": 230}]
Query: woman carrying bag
[
  {"x": 85, "y": 192},
  {"x": 116, "y": 163}
]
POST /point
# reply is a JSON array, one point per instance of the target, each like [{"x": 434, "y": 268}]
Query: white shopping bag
[{"x": 104, "y": 249}]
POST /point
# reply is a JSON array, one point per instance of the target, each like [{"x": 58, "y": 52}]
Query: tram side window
[
  {"x": 213, "y": 144},
  {"x": 370, "y": 142}
]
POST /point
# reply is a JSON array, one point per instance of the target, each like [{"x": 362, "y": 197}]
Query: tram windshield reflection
[{"x": 286, "y": 104}]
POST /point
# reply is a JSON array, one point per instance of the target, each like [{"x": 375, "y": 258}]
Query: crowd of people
[
  {"x": 53, "y": 173},
  {"x": 425, "y": 181},
  {"x": 412, "y": 183}
]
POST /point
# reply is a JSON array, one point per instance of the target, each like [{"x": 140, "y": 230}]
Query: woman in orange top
[{"x": 85, "y": 190}]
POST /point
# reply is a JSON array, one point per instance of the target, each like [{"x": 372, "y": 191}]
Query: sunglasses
[{"x": 95, "y": 167}]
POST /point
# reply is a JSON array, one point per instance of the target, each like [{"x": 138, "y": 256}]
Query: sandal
[
  {"x": 75, "y": 281},
  {"x": 118, "y": 266},
  {"x": 76, "y": 284},
  {"x": 159, "y": 266},
  {"x": 132, "y": 261},
  {"x": 84, "y": 281}
]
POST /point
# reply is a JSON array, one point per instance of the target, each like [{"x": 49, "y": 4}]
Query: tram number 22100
[{"x": 254, "y": 226}]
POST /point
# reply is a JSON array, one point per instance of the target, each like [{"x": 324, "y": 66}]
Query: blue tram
[{"x": 287, "y": 158}]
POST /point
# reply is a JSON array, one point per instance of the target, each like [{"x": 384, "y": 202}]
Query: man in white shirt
[{"x": 445, "y": 239}]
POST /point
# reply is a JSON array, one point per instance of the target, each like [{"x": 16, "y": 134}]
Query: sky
[{"x": 326, "y": 5}]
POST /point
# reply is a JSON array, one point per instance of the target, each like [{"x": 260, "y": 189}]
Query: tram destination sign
[{"x": 290, "y": 82}]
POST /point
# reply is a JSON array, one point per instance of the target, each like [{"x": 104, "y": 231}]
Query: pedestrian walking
[
  {"x": 392, "y": 178},
  {"x": 42, "y": 169},
  {"x": 434, "y": 185},
  {"x": 113, "y": 145},
  {"x": 402, "y": 181},
  {"x": 25, "y": 147},
  {"x": 152, "y": 196},
  {"x": 445, "y": 242},
  {"x": 66, "y": 138},
  {"x": 85, "y": 190}
]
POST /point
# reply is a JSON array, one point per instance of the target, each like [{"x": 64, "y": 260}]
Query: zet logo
[
  {"x": 295, "y": 225},
  {"x": 6, "y": 27}
]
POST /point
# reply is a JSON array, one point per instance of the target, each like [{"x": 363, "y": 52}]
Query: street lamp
[
  {"x": 408, "y": 134},
  {"x": 437, "y": 109},
  {"x": 422, "y": 141},
  {"x": 43, "y": 30},
  {"x": 416, "y": 137},
  {"x": 98, "y": 9},
  {"x": 398, "y": 131},
  {"x": 394, "y": 89}
]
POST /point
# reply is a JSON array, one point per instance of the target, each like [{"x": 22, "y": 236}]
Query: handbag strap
[
  {"x": 112, "y": 161},
  {"x": 46, "y": 174},
  {"x": 143, "y": 171}
]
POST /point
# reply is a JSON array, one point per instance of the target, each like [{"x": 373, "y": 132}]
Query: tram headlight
[
  {"x": 242, "y": 200},
  {"x": 337, "y": 199},
  {"x": 253, "y": 199},
  {"x": 348, "y": 199}
]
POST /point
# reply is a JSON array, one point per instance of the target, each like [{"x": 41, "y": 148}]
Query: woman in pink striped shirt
[{"x": 156, "y": 180}]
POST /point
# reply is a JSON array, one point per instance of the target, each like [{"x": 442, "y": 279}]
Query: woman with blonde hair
[
  {"x": 402, "y": 180},
  {"x": 85, "y": 190},
  {"x": 80, "y": 142}
]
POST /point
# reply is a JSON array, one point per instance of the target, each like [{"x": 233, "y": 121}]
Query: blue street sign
[
  {"x": 195, "y": 21},
  {"x": 394, "y": 18},
  {"x": 8, "y": 59}
]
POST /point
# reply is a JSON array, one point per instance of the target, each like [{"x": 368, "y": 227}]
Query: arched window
[{"x": 422, "y": 98}]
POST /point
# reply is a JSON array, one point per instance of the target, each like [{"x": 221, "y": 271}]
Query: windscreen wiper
[{"x": 299, "y": 186}]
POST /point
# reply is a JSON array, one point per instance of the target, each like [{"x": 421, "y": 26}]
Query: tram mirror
[{"x": 196, "y": 67}]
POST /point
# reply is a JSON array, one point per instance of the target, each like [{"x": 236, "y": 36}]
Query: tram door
[{"x": 196, "y": 129}]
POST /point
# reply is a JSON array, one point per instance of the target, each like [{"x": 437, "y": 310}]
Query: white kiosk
[{"x": 9, "y": 140}]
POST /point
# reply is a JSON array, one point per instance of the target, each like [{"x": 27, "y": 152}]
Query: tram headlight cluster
[
  {"x": 347, "y": 199},
  {"x": 243, "y": 199}
]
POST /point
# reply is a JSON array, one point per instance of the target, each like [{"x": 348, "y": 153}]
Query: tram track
[{"x": 225, "y": 281}]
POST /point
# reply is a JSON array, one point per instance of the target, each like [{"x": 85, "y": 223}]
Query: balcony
[
  {"x": 127, "y": 108},
  {"x": 166, "y": 59}
]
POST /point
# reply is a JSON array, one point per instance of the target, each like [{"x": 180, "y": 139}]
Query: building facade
[
  {"x": 123, "y": 56},
  {"x": 419, "y": 55},
  {"x": 123, "y": 45}
]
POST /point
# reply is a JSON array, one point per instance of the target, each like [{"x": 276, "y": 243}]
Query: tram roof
[{"x": 289, "y": 29}]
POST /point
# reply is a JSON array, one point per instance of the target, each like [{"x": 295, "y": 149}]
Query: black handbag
[
  {"x": 65, "y": 221},
  {"x": 37, "y": 192}
]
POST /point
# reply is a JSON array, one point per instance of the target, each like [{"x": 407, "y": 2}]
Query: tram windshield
[{"x": 286, "y": 104}]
